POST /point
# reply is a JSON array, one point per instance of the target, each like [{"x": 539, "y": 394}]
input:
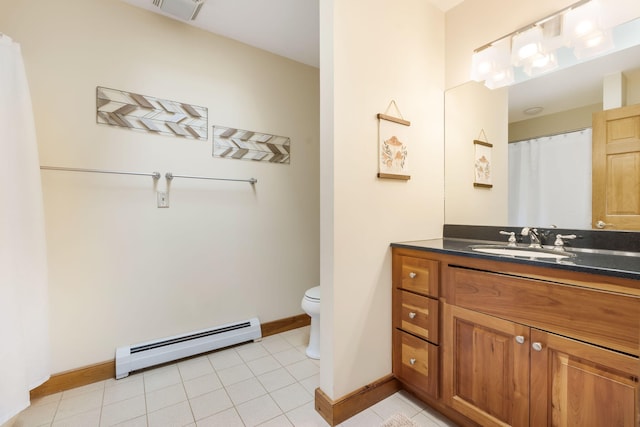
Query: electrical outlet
[{"x": 163, "y": 199}]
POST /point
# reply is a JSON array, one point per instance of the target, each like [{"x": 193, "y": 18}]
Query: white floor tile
[
  {"x": 234, "y": 374},
  {"x": 73, "y": 404},
  {"x": 366, "y": 418},
  {"x": 194, "y": 368},
  {"x": 281, "y": 421},
  {"x": 37, "y": 415},
  {"x": 123, "y": 391},
  {"x": 225, "y": 359},
  {"x": 263, "y": 365},
  {"x": 245, "y": 390},
  {"x": 167, "y": 396},
  {"x": 228, "y": 418},
  {"x": 91, "y": 418},
  {"x": 122, "y": 411},
  {"x": 275, "y": 344},
  {"x": 276, "y": 379},
  {"x": 258, "y": 411},
  {"x": 252, "y": 351},
  {"x": 287, "y": 357},
  {"x": 291, "y": 397},
  {"x": 306, "y": 416},
  {"x": 393, "y": 405},
  {"x": 171, "y": 416},
  {"x": 202, "y": 385},
  {"x": 135, "y": 422},
  {"x": 164, "y": 377},
  {"x": 311, "y": 384},
  {"x": 303, "y": 369},
  {"x": 211, "y": 403},
  {"x": 272, "y": 384}
]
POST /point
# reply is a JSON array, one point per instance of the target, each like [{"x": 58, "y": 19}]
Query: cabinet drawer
[
  {"x": 419, "y": 275},
  {"x": 602, "y": 318},
  {"x": 416, "y": 314},
  {"x": 415, "y": 362}
]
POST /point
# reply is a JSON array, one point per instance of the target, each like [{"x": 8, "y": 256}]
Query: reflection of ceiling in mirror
[{"x": 575, "y": 86}]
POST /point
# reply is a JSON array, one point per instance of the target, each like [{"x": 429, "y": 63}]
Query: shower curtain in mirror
[
  {"x": 24, "y": 336},
  {"x": 550, "y": 181}
]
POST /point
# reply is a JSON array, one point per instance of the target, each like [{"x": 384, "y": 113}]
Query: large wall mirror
[{"x": 541, "y": 132}]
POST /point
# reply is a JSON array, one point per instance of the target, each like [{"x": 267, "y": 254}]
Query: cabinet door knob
[
  {"x": 412, "y": 361},
  {"x": 412, "y": 315},
  {"x": 412, "y": 275},
  {"x": 536, "y": 346},
  {"x": 520, "y": 339}
]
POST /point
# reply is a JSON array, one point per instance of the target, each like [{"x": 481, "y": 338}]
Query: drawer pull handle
[
  {"x": 412, "y": 315},
  {"x": 520, "y": 339},
  {"x": 536, "y": 346},
  {"x": 412, "y": 275},
  {"x": 412, "y": 361}
]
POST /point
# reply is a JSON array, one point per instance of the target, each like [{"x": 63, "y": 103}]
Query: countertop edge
[{"x": 414, "y": 245}]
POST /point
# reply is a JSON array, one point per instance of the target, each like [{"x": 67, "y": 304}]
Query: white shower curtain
[
  {"x": 550, "y": 181},
  {"x": 24, "y": 328}
]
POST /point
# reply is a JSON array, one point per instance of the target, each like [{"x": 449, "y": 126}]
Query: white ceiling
[{"x": 288, "y": 28}]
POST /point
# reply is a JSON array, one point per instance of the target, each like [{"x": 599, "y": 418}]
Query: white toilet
[{"x": 311, "y": 306}]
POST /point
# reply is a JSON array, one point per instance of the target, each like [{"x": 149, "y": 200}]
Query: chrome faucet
[{"x": 534, "y": 236}]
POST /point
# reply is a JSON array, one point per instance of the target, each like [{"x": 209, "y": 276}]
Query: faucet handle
[
  {"x": 560, "y": 238},
  {"x": 512, "y": 237}
]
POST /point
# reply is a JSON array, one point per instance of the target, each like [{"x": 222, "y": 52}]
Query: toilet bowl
[{"x": 311, "y": 306}]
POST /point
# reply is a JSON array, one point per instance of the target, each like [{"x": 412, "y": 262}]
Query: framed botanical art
[
  {"x": 482, "y": 164},
  {"x": 392, "y": 147}
]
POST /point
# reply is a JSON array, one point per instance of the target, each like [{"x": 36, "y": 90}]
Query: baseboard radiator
[{"x": 144, "y": 355}]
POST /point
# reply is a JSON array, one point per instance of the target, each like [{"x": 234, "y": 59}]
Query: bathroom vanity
[{"x": 497, "y": 340}]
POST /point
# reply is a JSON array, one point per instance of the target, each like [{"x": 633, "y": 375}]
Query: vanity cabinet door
[
  {"x": 577, "y": 384},
  {"x": 485, "y": 367}
]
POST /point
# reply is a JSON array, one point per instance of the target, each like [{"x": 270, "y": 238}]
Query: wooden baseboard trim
[
  {"x": 105, "y": 370},
  {"x": 75, "y": 378},
  {"x": 286, "y": 324},
  {"x": 338, "y": 411}
]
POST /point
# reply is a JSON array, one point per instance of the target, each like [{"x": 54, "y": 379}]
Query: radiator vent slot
[{"x": 144, "y": 355}]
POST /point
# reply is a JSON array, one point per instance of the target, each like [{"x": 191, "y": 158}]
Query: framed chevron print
[
  {"x": 148, "y": 114},
  {"x": 232, "y": 143}
]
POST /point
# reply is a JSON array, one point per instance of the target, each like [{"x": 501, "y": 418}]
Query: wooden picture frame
[
  {"x": 482, "y": 164},
  {"x": 392, "y": 147}
]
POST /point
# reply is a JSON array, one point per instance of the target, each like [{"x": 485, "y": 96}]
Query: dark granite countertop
[{"x": 604, "y": 262}]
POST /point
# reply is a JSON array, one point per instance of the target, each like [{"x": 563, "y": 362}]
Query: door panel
[
  {"x": 616, "y": 168},
  {"x": 486, "y": 369},
  {"x": 577, "y": 384}
]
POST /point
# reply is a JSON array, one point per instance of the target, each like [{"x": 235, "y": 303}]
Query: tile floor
[{"x": 267, "y": 383}]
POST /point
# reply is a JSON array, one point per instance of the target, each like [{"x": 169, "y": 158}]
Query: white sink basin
[{"x": 521, "y": 252}]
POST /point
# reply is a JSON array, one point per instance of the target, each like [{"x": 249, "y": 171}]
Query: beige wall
[
  {"x": 565, "y": 121},
  {"x": 121, "y": 270},
  {"x": 373, "y": 52},
  {"x": 464, "y": 123}
]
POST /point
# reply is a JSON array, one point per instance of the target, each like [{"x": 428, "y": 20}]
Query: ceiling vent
[{"x": 187, "y": 10}]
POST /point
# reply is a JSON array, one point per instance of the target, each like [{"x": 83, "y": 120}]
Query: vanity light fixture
[{"x": 533, "y": 49}]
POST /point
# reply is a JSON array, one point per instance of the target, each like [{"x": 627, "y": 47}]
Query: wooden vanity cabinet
[
  {"x": 514, "y": 351},
  {"x": 415, "y": 356},
  {"x": 492, "y": 343}
]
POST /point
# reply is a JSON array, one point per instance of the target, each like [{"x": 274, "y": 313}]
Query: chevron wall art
[
  {"x": 240, "y": 144},
  {"x": 148, "y": 114}
]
